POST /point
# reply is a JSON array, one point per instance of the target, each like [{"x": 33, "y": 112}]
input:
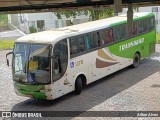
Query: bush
[{"x": 32, "y": 29}]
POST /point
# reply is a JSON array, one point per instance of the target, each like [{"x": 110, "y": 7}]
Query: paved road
[{"x": 126, "y": 90}]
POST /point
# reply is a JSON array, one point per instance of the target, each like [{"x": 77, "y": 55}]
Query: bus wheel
[
  {"x": 78, "y": 86},
  {"x": 136, "y": 60}
]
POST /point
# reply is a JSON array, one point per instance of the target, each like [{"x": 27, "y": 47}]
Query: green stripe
[{"x": 33, "y": 90}]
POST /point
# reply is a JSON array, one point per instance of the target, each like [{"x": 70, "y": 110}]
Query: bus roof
[{"x": 54, "y": 35}]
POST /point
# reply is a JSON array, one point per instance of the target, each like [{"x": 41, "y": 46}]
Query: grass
[
  {"x": 7, "y": 44},
  {"x": 158, "y": 38}
]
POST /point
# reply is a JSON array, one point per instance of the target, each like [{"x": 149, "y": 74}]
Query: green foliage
[
  {"x": 93, "y": 14},
  {"x": 100, "y": 14},
  {"x": 3, "y": 20},
  {"x": 68, "y": 13},
  {"x": 32, "y": 29},
  {"x": 7, "y": 44}
]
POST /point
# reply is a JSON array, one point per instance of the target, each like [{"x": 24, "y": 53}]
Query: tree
[
  {"x": 100, "y": 14},
  {"x": 92, "y": 13}
]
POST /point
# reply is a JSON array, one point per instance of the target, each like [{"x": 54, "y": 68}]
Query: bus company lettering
[{"x": 131, "y": 44}]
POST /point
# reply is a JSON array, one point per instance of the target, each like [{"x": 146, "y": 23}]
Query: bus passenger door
[{"x": 59, "y": 65}]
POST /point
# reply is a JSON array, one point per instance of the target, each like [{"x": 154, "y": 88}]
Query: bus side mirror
[
  {"x": 7, "y": 58},
  {"x": 7, "y": 62}
]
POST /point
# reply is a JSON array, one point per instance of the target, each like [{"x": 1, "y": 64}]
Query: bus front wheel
[
  {"x": 136, "y": 60},
  {"x": 78, "y": 86}
]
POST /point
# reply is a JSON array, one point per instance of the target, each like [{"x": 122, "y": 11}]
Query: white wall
[
  {"x": 49, "y": 19},
  {"x": 14, "y": 19},
  {"x": 76, "y": 20}
]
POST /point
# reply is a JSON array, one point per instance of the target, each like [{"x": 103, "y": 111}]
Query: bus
[{"x": 52, "y": 63}]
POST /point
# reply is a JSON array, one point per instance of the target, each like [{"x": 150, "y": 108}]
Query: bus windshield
[{"x": 31, "y": 63}]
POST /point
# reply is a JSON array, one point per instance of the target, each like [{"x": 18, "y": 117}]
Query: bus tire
[
  {"x": 78, "y": 86},
  {"x": 136, "y": 60}
]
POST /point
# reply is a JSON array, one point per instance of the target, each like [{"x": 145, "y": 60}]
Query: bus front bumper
[{"x": 32, "y": 91}]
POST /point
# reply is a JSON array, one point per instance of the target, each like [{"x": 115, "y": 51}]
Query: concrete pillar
[
  {"x": 118, "y": 6},
  {"x": 130, "y": 18}
]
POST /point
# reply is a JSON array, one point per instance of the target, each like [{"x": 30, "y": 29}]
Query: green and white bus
[{"x": 52, "y": 63}]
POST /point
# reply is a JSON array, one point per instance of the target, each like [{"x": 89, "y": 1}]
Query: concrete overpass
[
  {"x": 19, "y": 6},
  {"x": 13, "y": 6}
]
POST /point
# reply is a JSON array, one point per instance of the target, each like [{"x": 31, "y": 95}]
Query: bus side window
[
  {"x": 110, "y": 36},
  {"x": 140, "y": 27},
  {"x": 77, "y": 45},
  {"x": 135, "y": 29},
  {"x": 98, "y": 38},
  {"x": 151, "y": 23},
  {"x": 123, "y": 34},
  {"x": 107, "y": 36},
  {"x": 116, "y": 34},
  {"x": 81, "y": 44},
  {"x": 120, "y": 32},
  {"x": 93, "y": 41},
  {"x": 87, "y": 41},
  {"x": 74, "y": 45},
  {"x": 145, "y": 25}
]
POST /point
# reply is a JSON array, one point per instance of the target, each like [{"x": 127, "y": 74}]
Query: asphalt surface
[{"x": 129, "y": 89}]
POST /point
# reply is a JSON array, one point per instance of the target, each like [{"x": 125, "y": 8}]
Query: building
[{"x": 36, "y": 22}]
